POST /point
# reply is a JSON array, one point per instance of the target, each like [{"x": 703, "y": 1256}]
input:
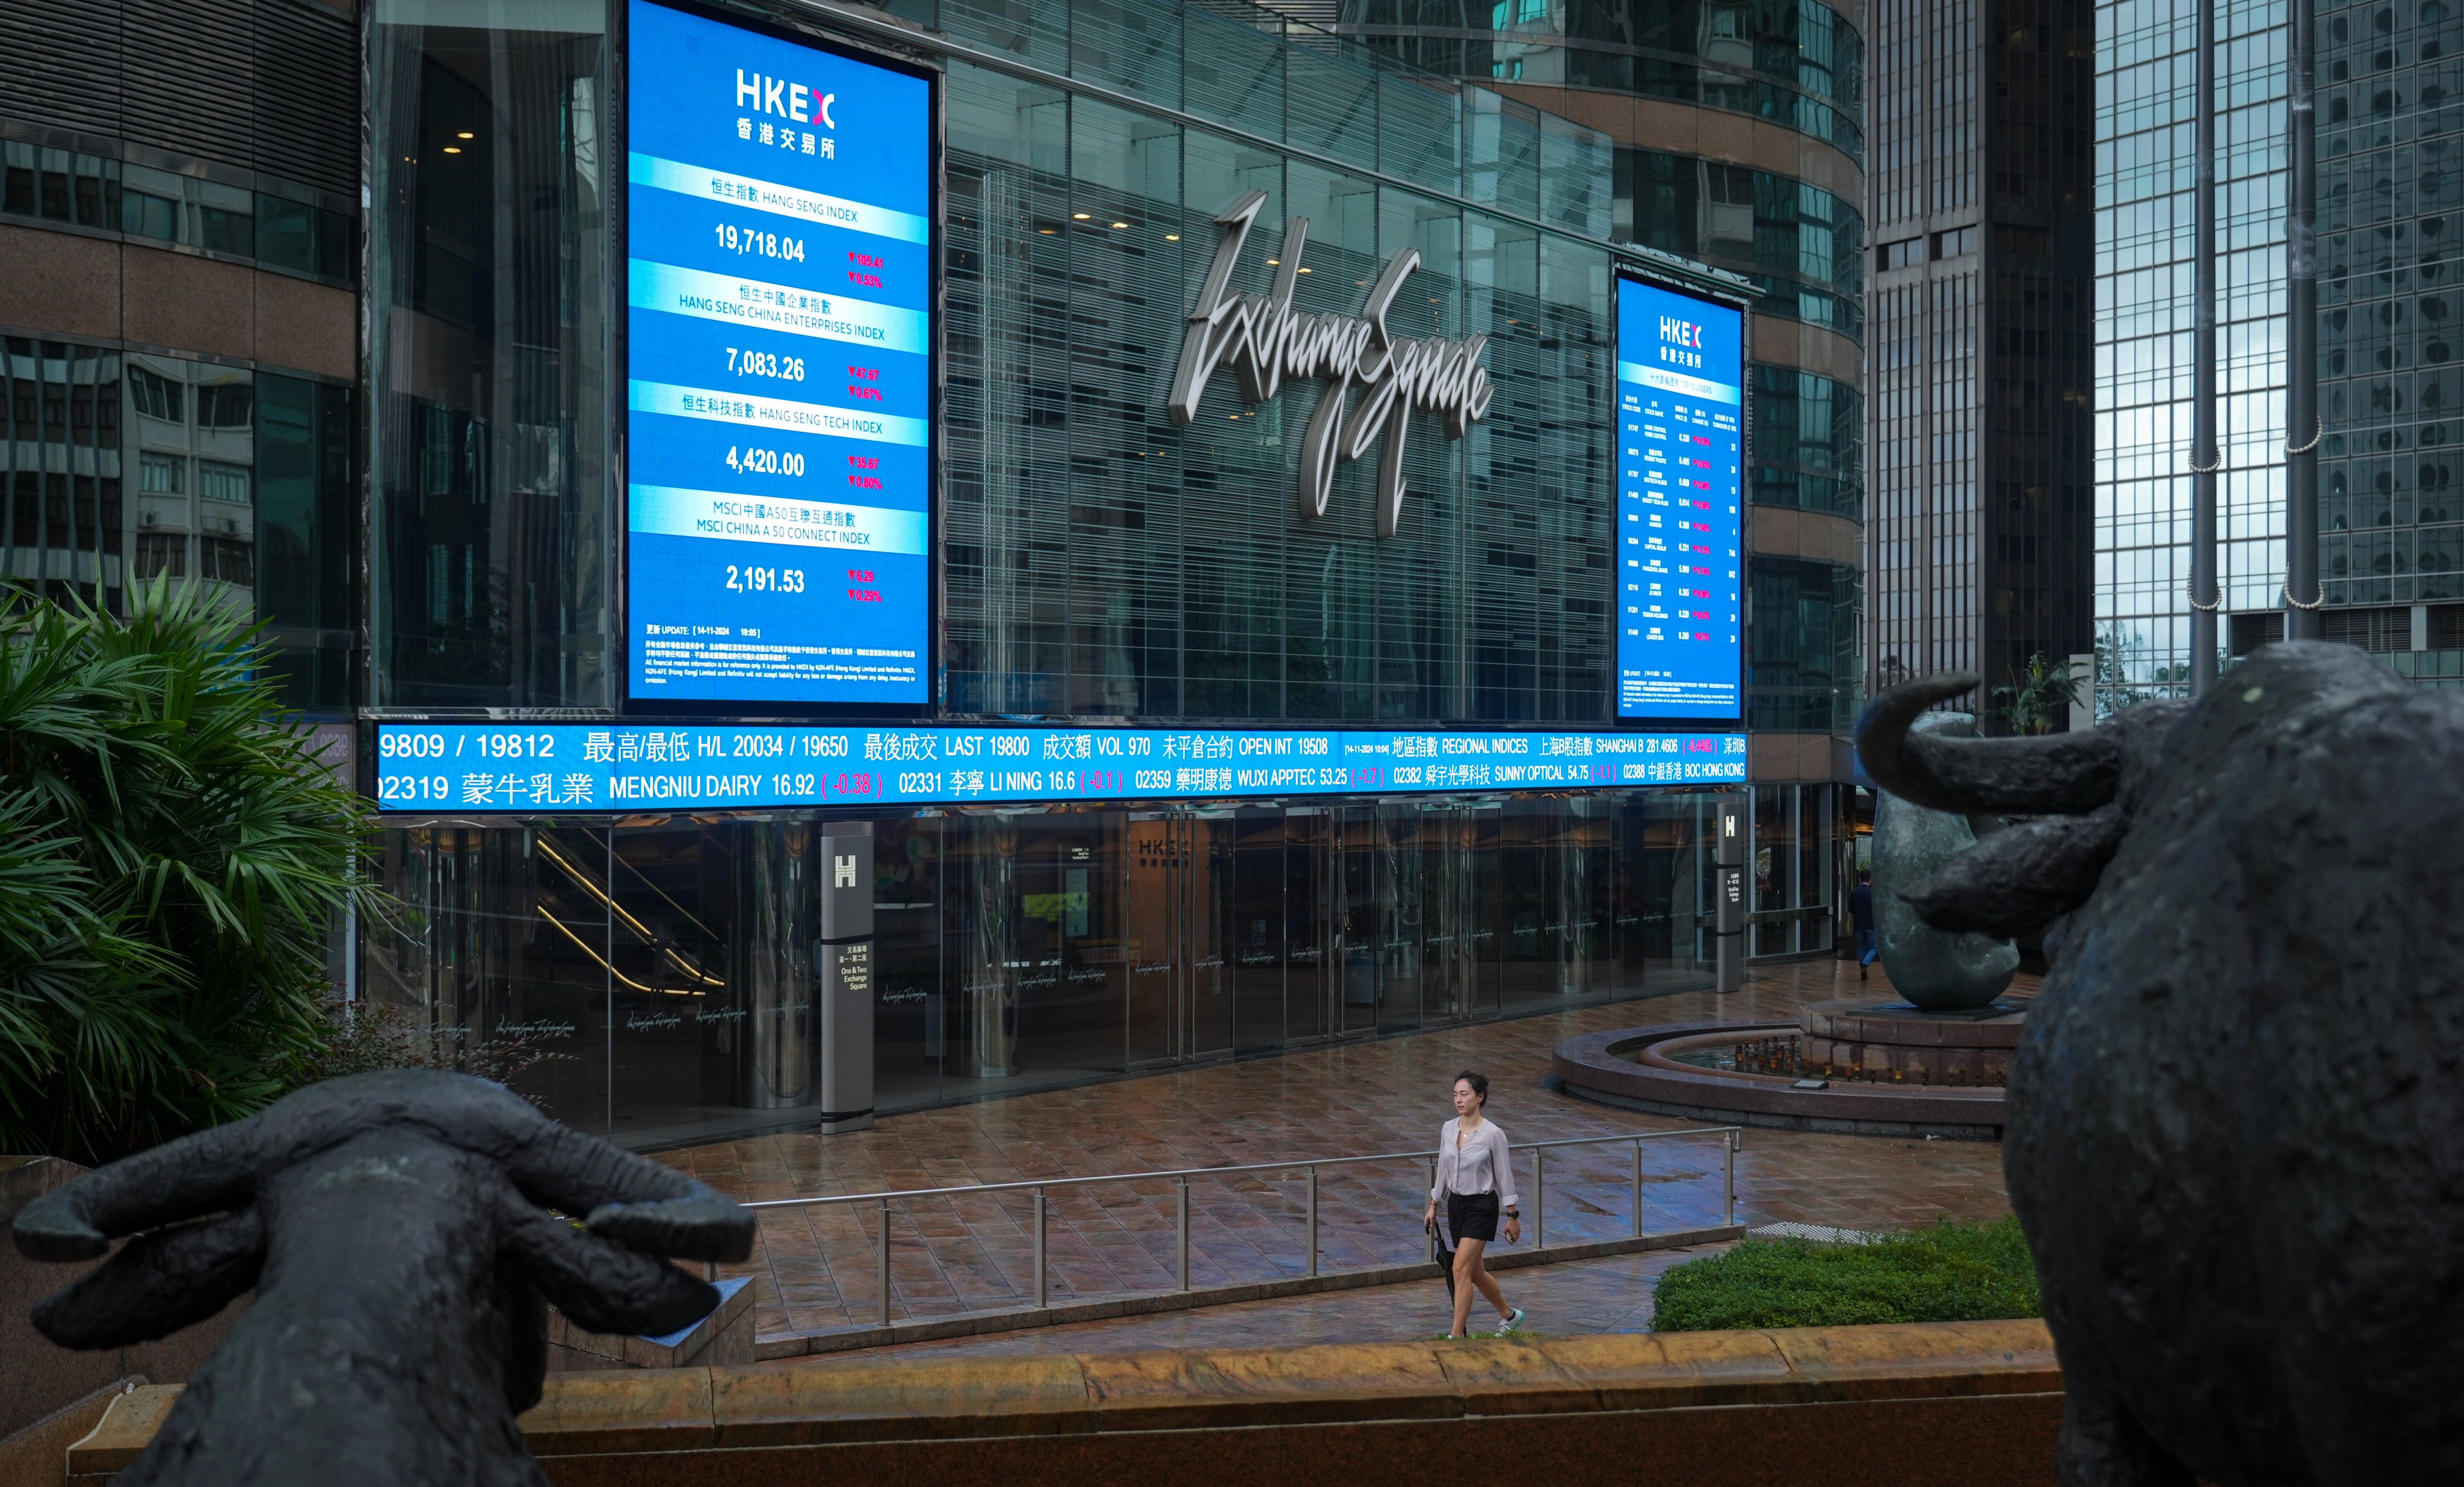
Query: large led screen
[
  {"x": 779, "y": 270},
  {"x": 1680, "y": 511}
]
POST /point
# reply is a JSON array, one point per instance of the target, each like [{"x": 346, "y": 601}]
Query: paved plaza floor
[
  {"x": 1584, "y": 1296},
  {"x": 817, "y": 1269}
]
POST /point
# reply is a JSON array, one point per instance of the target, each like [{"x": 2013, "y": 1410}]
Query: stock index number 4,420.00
[{"x": 766, "y": 462}]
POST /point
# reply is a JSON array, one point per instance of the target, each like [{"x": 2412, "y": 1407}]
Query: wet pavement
[{"x": 817, "y": 1269}]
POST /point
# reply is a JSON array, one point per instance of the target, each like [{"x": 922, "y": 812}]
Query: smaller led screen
[{"x": 1680, "y": 505}]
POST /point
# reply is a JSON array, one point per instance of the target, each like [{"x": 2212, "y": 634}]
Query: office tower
[{"x": 1981, "y": 409}]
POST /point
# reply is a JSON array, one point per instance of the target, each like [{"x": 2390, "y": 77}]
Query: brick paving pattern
[{"x": 817, "y": 1269}]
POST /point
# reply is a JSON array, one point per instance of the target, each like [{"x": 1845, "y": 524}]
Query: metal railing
[{"x": 1180, "y": 1177}]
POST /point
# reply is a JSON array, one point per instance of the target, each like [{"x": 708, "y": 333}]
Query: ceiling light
[
  {"x": 466, "y": 135},
  {"x": 452, "y": 150},
  {"x": 1078, "y": 216},
  {"x": 1047, "y": 231},
  {"x": 1272, "y": 262},
  {"x": 1120, "y": 224},
  {"x": 1171, "y": 237},
  {"x": 1308, "y": 271}
]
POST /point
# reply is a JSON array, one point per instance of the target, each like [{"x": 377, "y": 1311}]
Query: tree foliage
[
  {"x": 172, "y": 856},
  {"x": 2043, "y": 698}
]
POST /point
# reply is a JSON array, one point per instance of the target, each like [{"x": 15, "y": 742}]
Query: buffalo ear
[
  {"x": 603, "y": 1286},
  {"x": 204, "y": 1172},
  {"x": 701, "y": 1225},
  {"x": 158, "y": 1283}
]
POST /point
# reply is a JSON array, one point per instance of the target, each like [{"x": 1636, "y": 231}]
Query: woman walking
[{"x": 1473, "y": 1172}]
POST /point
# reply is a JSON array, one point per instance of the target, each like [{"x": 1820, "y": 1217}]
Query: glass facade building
[
  {"x": 2388, "y": 553},
  {"x": 1741, "y": 141},
  {"x": 1741, "y": 136},
  {"x": 2144, "y": 310},
  {"x": 1100, "y": 564},
  {"x": 1981, "y": 398},
  {"x": 2391, "y": 142},
  {"x": 343, "y": 335}
]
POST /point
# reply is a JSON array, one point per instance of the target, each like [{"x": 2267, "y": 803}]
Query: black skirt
[{"x": 1472, "y": 1216}]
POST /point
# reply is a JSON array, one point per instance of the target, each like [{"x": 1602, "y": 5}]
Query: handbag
[{"x": 1443, "y": 1252}]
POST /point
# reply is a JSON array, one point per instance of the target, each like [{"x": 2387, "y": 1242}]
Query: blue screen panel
[
  {"x": 779, "y": 279},
  {"x": 1680, "y": 505},
  {"x": 470, "y": 767}
]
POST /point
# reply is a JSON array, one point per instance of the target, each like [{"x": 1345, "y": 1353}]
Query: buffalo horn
[{"x": 2066, "y": 773}]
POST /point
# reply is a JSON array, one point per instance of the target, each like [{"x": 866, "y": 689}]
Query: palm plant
[
  {"x": 2043, "y": 697},
  {"x": 173, "y": 857}
]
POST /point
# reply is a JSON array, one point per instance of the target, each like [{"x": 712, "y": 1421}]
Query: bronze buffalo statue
[
  {"x": 2235, "y": 1119},
  {"x": 397, "y": 1229}
]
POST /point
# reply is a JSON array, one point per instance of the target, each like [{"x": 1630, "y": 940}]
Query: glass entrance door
[
  {"x": 1312, "y": 944},
  {"x": 1180, "y": 892},
  {"x": 1359, "y": 917},
  {"x": 1457, "y": 973}
]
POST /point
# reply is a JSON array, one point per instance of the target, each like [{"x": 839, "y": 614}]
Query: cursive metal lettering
[{"x": 1265, "y": 340}]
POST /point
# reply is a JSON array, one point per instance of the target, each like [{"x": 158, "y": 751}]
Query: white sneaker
[{"x": 1510, "y": 1325}]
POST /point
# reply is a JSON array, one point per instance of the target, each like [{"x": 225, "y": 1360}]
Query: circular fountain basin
[{"x": 1671, "y": 1069}]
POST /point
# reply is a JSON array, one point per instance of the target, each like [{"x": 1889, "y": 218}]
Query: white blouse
[{"x": 1474, "y": 1161}]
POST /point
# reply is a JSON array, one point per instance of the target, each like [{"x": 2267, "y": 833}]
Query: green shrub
[
  {"x": 171, "y": 859},
  {"x": 1951, "y": 1272}
]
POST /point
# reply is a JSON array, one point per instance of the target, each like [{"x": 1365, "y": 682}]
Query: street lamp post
[
  {"x": 2205, "y": 599},
  {"x": 2303, "y": 428}
]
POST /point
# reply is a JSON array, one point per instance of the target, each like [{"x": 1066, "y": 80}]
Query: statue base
[{"x": 1880, "y": 1038}]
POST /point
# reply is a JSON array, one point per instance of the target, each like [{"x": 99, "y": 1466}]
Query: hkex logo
[{"x": 786, "y": 99}]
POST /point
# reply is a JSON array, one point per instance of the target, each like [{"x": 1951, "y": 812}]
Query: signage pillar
[
  {"x": 843, "y": 964},
  {"x": 1728, "y": 884}
]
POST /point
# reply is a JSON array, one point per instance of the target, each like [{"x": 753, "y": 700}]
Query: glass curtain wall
[
  {"x": 62, "y": 466},
  {"x": 1077, "y": 233},
  {"x": 2144, "y": 91},
  {"x": 1809, "y": 441},
  {"x": 1104, "y": 562},
  {"x": 1801, "y": 244},
  {"x": 124, "y": 467},
  {"x": 664, "y": 966},
  {"x": 1803, "y": 667},
  {"x": 1794, "y": 60},
  {"x": 489, "y": 352}
]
